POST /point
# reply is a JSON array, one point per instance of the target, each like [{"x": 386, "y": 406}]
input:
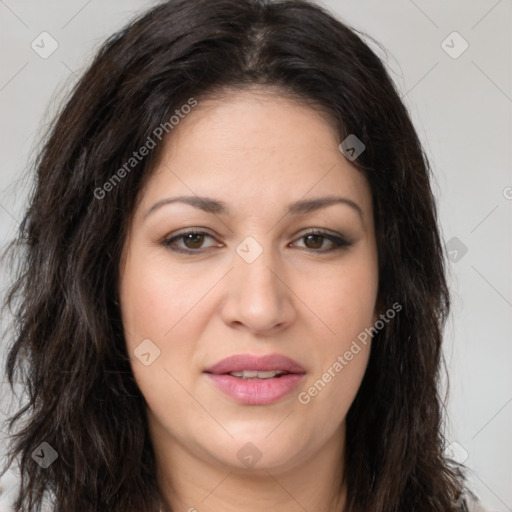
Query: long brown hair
[{"x": 67, "y": 338}]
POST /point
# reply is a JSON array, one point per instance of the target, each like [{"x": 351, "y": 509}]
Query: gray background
[{"x": 461, "y": 106}]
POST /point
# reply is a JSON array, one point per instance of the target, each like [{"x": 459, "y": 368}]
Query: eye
[
  {"x": 192, "y": 241},
  {"x": 314, "y": 240}
]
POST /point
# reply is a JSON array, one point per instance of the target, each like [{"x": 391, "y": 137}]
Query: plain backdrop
[{"x": 452, "y": 61}]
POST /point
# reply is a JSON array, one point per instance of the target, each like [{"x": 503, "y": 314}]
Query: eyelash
[{"x": 338, "y": 241}]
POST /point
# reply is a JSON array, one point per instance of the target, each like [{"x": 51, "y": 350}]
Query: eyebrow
[{"x": 216, "y": 207}]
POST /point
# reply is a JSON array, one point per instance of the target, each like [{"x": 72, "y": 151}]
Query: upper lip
[{"x": 240, "y": 362}]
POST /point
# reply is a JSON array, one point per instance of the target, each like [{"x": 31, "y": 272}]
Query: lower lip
[{"x": 256, "y": 392}]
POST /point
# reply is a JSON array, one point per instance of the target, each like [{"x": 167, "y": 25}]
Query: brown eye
[
  {"x": 193, "y": 240},
  {"x": 189, "y": 242},
  {"x": 314, "y": 241}
]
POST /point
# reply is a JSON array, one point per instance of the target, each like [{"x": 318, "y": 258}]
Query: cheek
[
  {"x": 344, "y": 299},
  {"x": 155, "y": 301},
  {"x": 154, "y": 309},
  {"x": 164, "y": 308},
  {"x": 342, "y": 360},
  {"x": 343, "y": 349}
]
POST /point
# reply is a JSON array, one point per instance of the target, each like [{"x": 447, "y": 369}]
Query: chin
[{"x": 255, "y": 454}]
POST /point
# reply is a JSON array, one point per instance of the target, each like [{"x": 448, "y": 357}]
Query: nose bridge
[
  {"x": 254, "y": 264},
  {"x": 257, "y": 297}
]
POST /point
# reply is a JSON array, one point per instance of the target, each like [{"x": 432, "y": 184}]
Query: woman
[{"x": 233, "y": 289}]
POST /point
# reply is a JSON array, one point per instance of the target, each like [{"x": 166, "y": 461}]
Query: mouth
[
  {"x": 256, "y": 380},
  {"x": 258, "y": 375},
  {"x": 253, "y": 366}
]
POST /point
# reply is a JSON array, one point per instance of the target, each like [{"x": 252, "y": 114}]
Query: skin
[{"x": 258, "y": 152}]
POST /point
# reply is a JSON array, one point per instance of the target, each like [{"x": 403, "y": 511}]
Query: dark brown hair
[{"x": 68, "y": 346}]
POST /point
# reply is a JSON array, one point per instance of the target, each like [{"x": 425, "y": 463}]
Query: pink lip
[
  {"x": 240, "y": 362},
  {"x": 256, "y": 392}
]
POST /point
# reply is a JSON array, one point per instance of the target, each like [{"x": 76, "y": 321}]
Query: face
[{"x": 266, "y": 272}]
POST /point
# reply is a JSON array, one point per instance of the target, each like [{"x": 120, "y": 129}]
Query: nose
[{"x": 258, "y": 297}]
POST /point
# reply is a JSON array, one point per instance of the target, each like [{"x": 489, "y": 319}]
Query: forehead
[
  {"x": 253, "y": 148},
  {"x": 252, "y": 121}
]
